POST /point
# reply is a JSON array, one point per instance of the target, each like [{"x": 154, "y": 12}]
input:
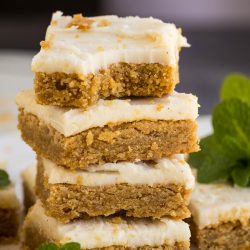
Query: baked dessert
[
  {"x": 111, "y": 130},
  {"x": 85, "y": 59},
  {"x": 91, "y": 233},
  {"x": 220, "y": 217},
  {"x": 9, "y": 210},
  {"x": 152, "y": 189},
  {"x": 29, "y": 180}
]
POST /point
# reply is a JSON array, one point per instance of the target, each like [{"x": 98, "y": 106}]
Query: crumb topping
[
  {"x": 82, "y": 23},
  {"x": 159, "y": 107},
  {"x": 54, "y": 22},
  {"x": 104, "y": 23},
  {"x": 45, "y": 44},
  {"x": 100, "y": 48}
]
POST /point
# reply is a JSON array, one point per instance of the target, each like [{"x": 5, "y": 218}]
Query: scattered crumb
[
  {"x": 54, "y": 22},
  {"x": 82, "y": 23},
  {"x": 104, "y": 23},
  {"x": 159, "y": 107},
  {"x": 100, "y": 48},
  {"x": 116, "y": 220},
  {"x": 79, "y": 180},
  {"x": 45, "y": 44},
  {"x": 77, "y": 36}
]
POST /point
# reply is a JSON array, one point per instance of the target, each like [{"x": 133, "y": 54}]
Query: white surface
[
  {"x": 174, "y": 170},
  {"x": 73, "y": 121},
  {"x": 92, "y": 233},
  {"x": 130, "y": 40}
]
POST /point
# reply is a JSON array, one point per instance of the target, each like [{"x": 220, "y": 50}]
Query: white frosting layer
[
  {"x": 165, "y": 171},
  {"x": 8, "y": 198},
  {"x": 29, "y": 178},
  {"x": 177, "y": 106},
  {"x": 212, "y": 204},
  {"x": 100, "y": 232},
  {"x": 130, "y": 40}
]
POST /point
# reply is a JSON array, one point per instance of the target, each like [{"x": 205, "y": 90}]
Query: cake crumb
[
  {"x": 82, "y": 23},
  {"x": 54, "y": 22},
  {"x": 100, "y": 48},
  {"x": 45, "y": 44},
  {"x": 89, "y": 138},
  {"x": 104, "y": 23},
  {"x": 159, "y": 107},
  {"x": 116, "y": 220}
]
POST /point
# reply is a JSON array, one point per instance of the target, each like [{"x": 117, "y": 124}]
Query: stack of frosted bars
[{"x": 110, "y": 134}]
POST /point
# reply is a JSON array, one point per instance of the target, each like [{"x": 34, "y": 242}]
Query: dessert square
[
  {"x": 220, "y": 217},
  {"x": 152, "y": 189},
  {"x": 106, "y": 232},
  {"x": 29, "y": 180},
  {"x": 85, "y": 59},
  {"x": 111, "y": 130},
  {"x": 9, "y": 214}
]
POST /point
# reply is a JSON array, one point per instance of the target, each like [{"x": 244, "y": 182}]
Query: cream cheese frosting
[
  {"x": 108, "y": 40},
  {"x": 212, "y": 204},
  {"x": 172, "y": 170},
  {"x": 73, "y": 121},
  {"x": 92, "y": 233}
]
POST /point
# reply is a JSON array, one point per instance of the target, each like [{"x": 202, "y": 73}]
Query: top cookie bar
[{"x": 85, "y": 59}]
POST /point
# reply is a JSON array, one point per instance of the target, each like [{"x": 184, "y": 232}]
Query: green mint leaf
[
  {"x": 236, "y": 86},
  {"x": 231, "y": 118},
  {"x": 47, "y": 246},
  {"x": 241, "y": 174},
  {"x": 196, "y": 159},
  {"x": 70, "y": 246},
  {"x": 215, "y": 167},
  {"x": 211, "y": 161},
  {"x": 4, "y": 178}
]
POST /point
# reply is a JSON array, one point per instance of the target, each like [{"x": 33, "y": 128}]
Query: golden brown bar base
[
  {"x": 119, "y": 80},
  {"x": 9, "y": 225},
  {"x": 66, "y": 202},
  {"x": 34, "y": 237},
  {"x": 226, "y": 236},
  {"x": 144, "y": 140}
]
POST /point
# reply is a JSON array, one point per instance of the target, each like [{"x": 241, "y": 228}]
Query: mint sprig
[
  {"x": 4, "y": 178},
  {"x": 52, "y": 246},
  {"x": 225, "y": 155}
]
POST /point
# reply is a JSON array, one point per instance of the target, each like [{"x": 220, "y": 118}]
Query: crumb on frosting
[
  {"x": 104, "y": 23},
  {"x": 100, "y": 48},
  {"x": 54, "y": 22},
  {"x": 45, "y": 44},
  {"x": 82, "y": 23}
]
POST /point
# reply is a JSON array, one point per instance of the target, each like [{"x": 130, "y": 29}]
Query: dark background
[{"x": 218, "y": 30}]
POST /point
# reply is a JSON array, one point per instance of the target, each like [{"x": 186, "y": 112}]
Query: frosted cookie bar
[
  {"x": 9, "y": 212},
  {"x": 111, "y": 130},
  {"x": 85, "y": 59},
  {"x": 29, "y": 179},
  {"x": 139, "y": 189},
  {"x": 106, "y": 232},
  {"x": 220, "y": 217}
]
